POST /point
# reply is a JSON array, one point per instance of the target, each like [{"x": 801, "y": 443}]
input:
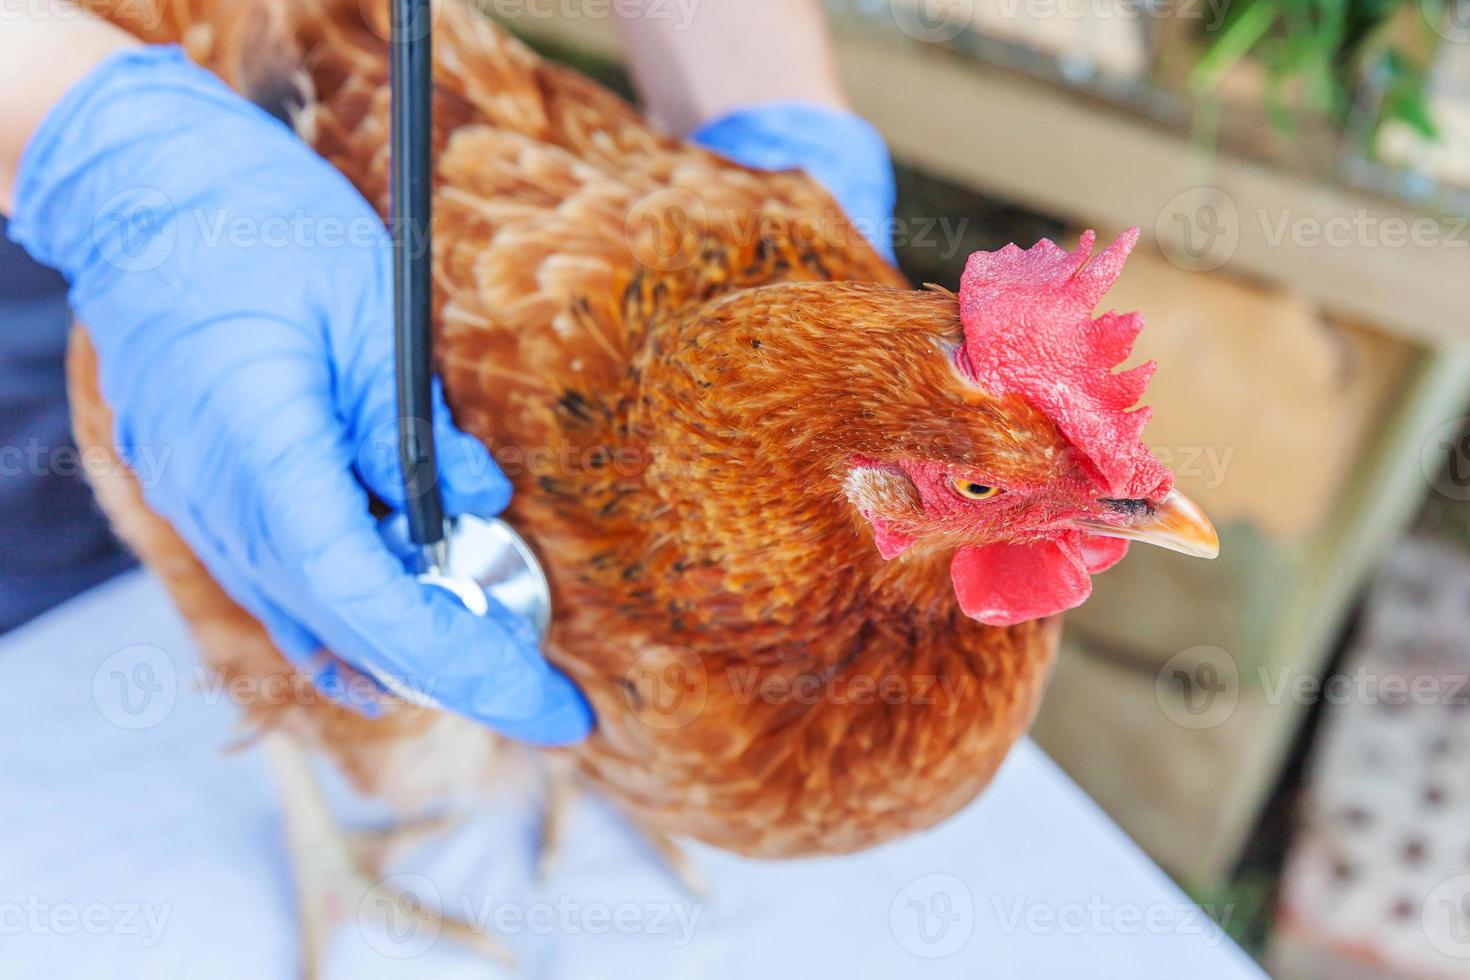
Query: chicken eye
[{"x": 971, "y": 490}]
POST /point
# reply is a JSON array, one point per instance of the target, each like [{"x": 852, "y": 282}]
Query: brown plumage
[{"x": 677, "y": 361}]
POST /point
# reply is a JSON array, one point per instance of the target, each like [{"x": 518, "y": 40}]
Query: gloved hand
[
  {"x": 841, "y": 151},
  {"x": 238, "y": 292}
]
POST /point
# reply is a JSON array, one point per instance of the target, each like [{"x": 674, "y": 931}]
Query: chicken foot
[
  {"x": 371, "y": 846},
  {"x": 675, "y": 861},
  {"x": 560, "y": 790},
  {"x": 333, "y": 877}
]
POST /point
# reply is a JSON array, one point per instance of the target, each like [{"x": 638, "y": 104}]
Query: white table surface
[{"x": 131, "y": 847}]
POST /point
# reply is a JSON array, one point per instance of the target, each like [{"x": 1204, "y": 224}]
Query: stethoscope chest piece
[
  {"x": 501, "y": 565},
  {"x": 481, "y": 558}
]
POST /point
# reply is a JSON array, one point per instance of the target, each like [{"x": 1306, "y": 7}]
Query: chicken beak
[{"x": 1176, "y": 524}]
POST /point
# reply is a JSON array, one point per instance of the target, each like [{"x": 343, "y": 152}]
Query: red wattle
[
  {"x": 1100, "y": 554},
  {"x": 1006, "y": 584}
]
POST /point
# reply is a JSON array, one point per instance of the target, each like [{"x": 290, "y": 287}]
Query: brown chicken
[{"x": 804, "y": 526}]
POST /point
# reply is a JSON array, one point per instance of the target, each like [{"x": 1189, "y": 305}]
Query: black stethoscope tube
[
  {"x": 410, "y": 203},
  {"x": 490, "y": 560}
]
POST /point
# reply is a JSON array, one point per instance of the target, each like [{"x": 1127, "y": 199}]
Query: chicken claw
[
  {"x": 332, "y": 876},
  {"x": 560, "y": 789}
]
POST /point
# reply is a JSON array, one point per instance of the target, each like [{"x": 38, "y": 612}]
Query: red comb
[{"x": 1029, "y": 331}]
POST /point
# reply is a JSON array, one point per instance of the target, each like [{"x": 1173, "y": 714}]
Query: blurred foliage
[
  {"x": 1244, "y": 909},
  {"x": 1331, "y": 58}
]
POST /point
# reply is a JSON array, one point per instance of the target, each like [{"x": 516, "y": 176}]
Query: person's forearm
[
  {"x": 44, "y": 49},
  {"x": 728, "y": 54}
]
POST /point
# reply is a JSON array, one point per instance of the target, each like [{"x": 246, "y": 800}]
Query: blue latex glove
[
  {"x": 841, "y": 151},
  {"x": 238, "y": 291}
]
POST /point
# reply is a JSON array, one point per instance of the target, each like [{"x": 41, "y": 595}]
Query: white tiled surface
[{"x": 1380, "y": 874}]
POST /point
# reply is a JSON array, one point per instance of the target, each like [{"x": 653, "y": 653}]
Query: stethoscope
[{"x": 466, "y": 556}]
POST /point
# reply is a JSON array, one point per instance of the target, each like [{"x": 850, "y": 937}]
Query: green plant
[{"x": 1320, "y": 54}]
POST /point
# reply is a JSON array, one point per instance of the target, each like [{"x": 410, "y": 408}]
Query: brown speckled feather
[{"x": 672, "y": 357}]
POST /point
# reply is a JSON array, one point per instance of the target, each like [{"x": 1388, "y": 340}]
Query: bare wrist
[
  {"x": 44, "y": 50},
  {"x": 727, "y": 55}
]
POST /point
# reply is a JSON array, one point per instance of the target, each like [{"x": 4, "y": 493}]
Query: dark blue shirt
[{"x": 55, "y": 540}]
